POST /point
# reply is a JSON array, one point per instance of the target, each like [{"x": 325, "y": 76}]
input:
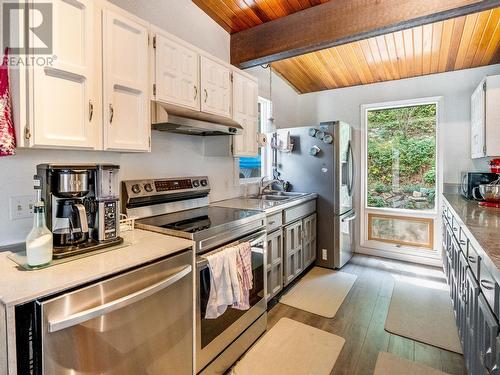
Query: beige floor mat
[
  {"x": 423, "y": 314},
  {"x": 291, "y": 348},
  {"x": 389, "y": 364},
  {"x": 321, "y": 291}
]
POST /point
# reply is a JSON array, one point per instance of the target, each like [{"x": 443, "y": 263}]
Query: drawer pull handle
[
  {"x": 471, "y": 259},
  {"x": 488, "y": 285},
  {"x": 455, "y": 229},
  {"x": 462, "y": 242},
  {"x": 272, "y": 222}
]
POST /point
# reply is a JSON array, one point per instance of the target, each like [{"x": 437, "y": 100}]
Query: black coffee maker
[{"x": 82, "y": 206}]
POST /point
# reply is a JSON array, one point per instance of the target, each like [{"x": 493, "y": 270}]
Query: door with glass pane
[{"x": 400, "y": 177}]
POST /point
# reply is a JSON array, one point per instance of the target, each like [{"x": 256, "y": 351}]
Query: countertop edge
[{"x": 485, "y": 257}]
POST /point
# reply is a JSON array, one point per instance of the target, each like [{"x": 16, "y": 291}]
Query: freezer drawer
[{"x": 140, "y": 322}]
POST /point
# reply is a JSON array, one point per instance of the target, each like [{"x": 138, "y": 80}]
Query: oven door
[{"x": 214, "y": 335}]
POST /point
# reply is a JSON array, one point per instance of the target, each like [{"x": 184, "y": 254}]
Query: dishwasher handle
[{"x": 83, "y": 316}]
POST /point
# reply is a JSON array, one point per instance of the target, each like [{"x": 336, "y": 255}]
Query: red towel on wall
[{"x": 7, "y": 132}]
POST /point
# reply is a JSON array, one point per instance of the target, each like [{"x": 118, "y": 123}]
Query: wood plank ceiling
[
  {"x": 458, "y": 43},
  {"x": 238, "y": 15}
]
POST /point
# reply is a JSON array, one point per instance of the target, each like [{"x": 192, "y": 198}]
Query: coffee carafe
[{"x": 71, "y": 224}]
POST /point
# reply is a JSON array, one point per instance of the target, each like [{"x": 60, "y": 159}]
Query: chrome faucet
[{"x": 265, "y": 185}]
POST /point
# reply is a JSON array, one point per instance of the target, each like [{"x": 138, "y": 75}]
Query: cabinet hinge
[
  {"x": 484, "y": 85},
  {"x": 27, "y": 133},
  {"x": 484, "y": 150},
  {"x": 154, "y": 41},
  {"x": 149, "y": 138},
  {"x": 154, "y": 89},
  {"x": 232, "y": 76}
]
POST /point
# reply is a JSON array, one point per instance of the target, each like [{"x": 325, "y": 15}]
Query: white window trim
[
  {"x": 408, "y": 253},
  {"x": 266, "y": 156}
]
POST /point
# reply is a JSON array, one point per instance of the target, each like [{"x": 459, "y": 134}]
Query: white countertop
[
  {"x": 18, "y": 286},
  {"x": 267, "y": 206}
]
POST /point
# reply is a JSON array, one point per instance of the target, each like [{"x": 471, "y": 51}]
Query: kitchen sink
[
  {"x": 272, "y": 197},
  {"x": 281, "y": 195}
]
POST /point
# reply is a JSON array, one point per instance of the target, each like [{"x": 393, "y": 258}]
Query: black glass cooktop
[{"x": 199, "y": 219}]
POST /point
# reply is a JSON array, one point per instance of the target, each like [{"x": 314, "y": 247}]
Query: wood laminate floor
[{"x": 361, "y": 318}]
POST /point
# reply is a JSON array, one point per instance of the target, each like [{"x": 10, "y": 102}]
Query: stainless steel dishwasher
[{"x": 139, "y": 322}]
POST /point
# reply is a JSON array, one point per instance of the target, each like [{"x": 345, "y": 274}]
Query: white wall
[
  {"x": 455, "y": 88},
  {"x": 285, "y": 99},
  {"x": 172, "y": 155}
]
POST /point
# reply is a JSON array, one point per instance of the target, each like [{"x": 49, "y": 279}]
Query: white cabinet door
[
  {"x": 177, "y": 73},
  {"x": 274, "y": 263},
  {"x": 125, "y": 83},
  {"x": 64, "y": 94},
  {"x": 478, "y": 126},
  {"x": 215, "y": 88},
  {"x": 245, "y": 112}
]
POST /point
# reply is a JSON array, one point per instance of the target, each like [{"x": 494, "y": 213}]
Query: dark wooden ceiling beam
[{"x": 339, "y": 22}]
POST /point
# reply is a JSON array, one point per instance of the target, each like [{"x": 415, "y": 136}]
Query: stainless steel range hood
[{"x": 184, "y": 121}]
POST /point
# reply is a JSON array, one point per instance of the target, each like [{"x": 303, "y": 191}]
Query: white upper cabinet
[
  {"x": 485, "y": 118},
  {"x": 177, "y": 73},
  {"x": 63, "y": 96},
  {"x": 126, "y": 107},
  {"x": 215, "y": 87},
  {"x": 245, "y": 112}
]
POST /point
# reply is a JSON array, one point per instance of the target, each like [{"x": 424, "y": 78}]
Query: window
[
  {"x": 400, "y": 176},
  {"x": 254, "y": 168}
]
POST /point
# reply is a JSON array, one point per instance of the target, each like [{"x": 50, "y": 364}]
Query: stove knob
[
  {"x": 148, "y": 188},
  {"x": 196, "y": 183},
  {"x": 136, "y": 189},
  {"x": 204, "y": 182}
]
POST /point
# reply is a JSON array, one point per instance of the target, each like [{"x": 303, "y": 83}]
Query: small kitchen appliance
[
  {"x": 82, "y": 206},
  {"x": 179, "y": 207},
  {"x": 489, "y": 194},
  {"x": 471, "y": 180}
]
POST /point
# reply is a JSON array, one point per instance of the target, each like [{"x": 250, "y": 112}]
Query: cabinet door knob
[
  {"x": 111, "y": 113},
  {"x": 206, "y": 95},
  {"x": 91, "y": 110}
]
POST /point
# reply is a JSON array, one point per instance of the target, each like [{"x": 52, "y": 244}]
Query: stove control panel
[{"x": 164, "y": 186}]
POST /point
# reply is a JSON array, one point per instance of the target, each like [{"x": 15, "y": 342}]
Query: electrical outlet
[
  {"x": 21, "y": 207},
  {"x": 324, "y": 254}
]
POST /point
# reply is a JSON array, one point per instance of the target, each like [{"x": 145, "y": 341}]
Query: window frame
[
  {"x": 265, "y": 152},
  {"x": 398, "y": 251}
]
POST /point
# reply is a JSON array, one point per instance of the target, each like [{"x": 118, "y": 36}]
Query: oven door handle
[
  {"x": 83, "y": 316},
  {"x": 254, "y": 239}
]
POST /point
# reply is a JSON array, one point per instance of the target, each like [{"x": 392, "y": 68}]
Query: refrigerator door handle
[
  {"x": 350, "y": 188},
  {"x": 349, "y": 218}
]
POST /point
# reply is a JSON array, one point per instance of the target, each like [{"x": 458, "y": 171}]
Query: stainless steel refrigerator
[{"x": 321, "y": 161}]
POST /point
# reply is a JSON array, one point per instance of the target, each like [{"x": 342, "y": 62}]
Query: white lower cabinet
[
  {"x": 125, "y": 72},
  {"x": 274, "y": 263},
  {"x": 64, "y": 94}
]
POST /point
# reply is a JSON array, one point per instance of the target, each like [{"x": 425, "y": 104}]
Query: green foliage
[
  {"x": 401, "y": 151},
  {"x": 376, "y": 201},
  {"x": 430, "y": 176}
]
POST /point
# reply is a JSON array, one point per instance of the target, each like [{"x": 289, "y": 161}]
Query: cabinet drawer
[
  {"x": 274, "y": 222},
  {"x": 300, "y": 211},
  {"x": 473, "y": 259},
  {"x": 490, "y": 289}
]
